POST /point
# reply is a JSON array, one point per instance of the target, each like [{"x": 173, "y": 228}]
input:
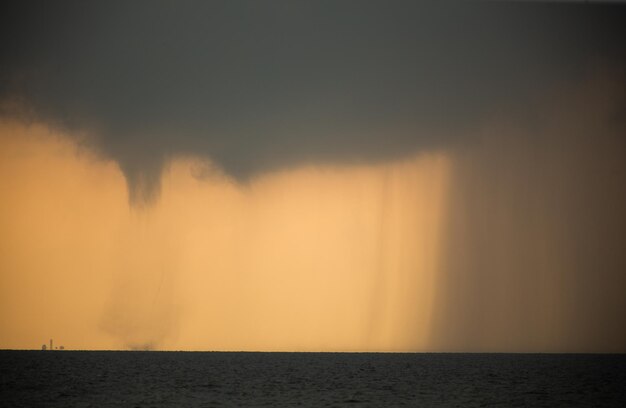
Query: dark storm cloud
[
  {"x": 261, "y": 85},
  {"x": 533, "y": 258}
]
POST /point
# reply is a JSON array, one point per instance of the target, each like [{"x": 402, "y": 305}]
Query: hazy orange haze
[{"x": 312, "y": 258}]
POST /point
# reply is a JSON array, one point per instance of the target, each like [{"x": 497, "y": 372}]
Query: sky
[{"x": 313, "y": 176}]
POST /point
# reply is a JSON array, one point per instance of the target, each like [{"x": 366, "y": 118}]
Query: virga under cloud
[{"x": 314, "y": 175}]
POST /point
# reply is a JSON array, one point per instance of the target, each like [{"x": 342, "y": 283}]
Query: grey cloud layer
[{"x": 261, "y": 85}]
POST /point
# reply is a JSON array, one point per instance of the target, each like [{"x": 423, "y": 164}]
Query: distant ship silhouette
[{"x": 44, "y": 348}]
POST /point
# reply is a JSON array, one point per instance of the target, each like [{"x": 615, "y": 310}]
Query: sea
[{"x": 237, "y": 379}]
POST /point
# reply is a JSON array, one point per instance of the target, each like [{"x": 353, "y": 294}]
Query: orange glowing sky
[
  {"x": 513, "y": 241},
  {"x": 313, "y": 176},
  {"x": 313, "y": 258}
]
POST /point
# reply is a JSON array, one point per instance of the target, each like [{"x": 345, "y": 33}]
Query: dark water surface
[{"x": 157, "y": 379}]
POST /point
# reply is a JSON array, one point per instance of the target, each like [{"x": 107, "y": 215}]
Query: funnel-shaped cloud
[{"x": 257, "y": 86}]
